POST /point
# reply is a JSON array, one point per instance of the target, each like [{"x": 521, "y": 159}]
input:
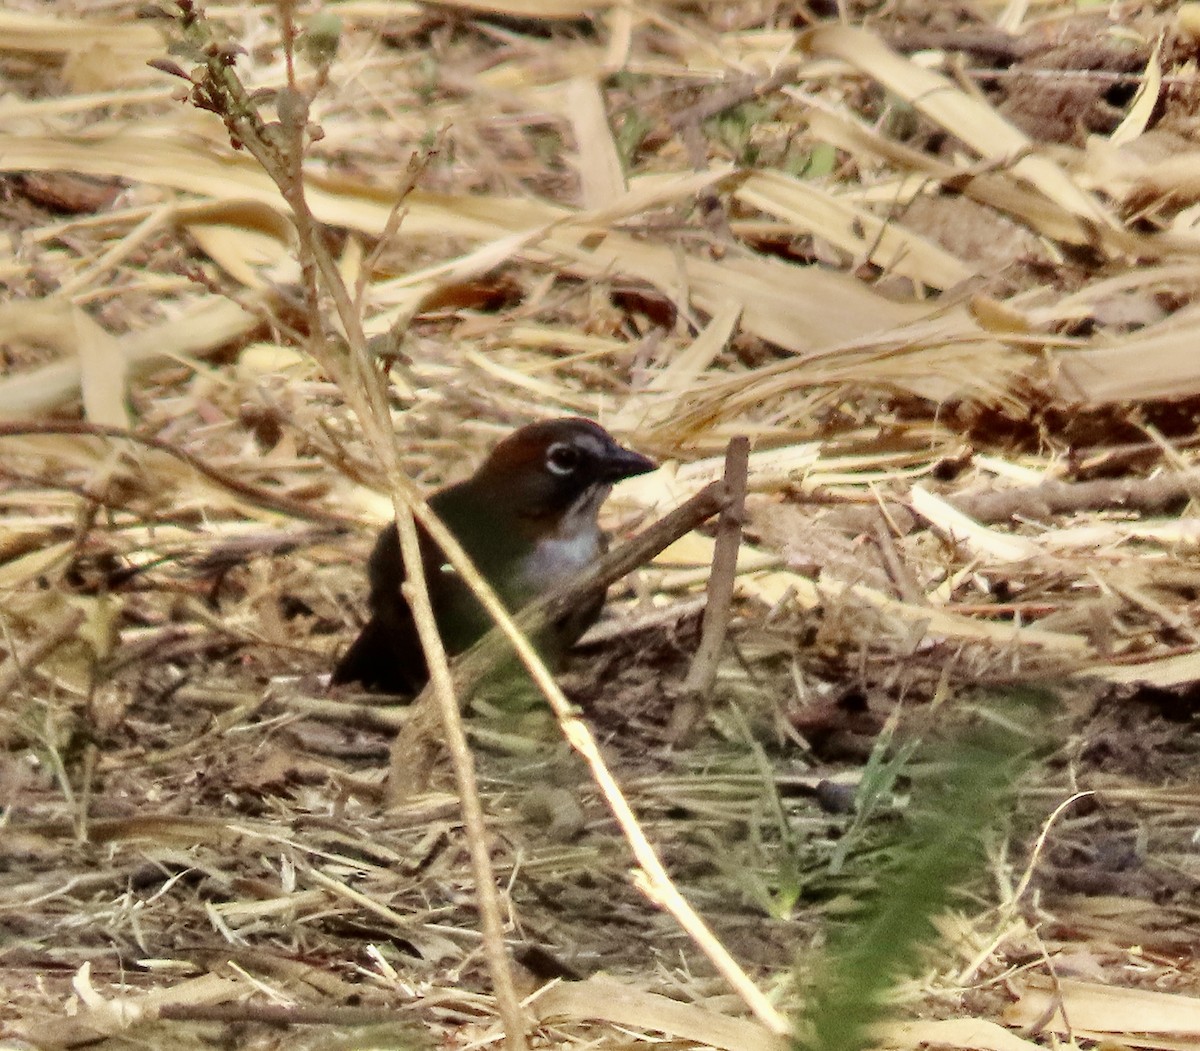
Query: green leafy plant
[{"x": 967, "y": 779}]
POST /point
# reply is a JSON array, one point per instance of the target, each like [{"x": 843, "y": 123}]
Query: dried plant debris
[{"x": 936, "y": 261}]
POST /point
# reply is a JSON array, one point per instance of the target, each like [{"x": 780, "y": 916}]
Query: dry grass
[{"x": 957, "y": 328}]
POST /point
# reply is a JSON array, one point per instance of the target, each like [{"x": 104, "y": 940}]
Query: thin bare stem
[
  {"x": 287, "y": 1014},
  {"x": 279, "y": 150},
  {"x": 703, "y": 670},
  {"x": 250, "y": 493},
  {"x": 417, "y": 593}
]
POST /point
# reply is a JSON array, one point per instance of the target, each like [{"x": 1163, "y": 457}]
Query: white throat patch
[{"x": 572, "y": 547}]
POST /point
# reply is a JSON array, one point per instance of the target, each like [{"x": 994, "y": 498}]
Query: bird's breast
[{"x": 557, "y": 558}]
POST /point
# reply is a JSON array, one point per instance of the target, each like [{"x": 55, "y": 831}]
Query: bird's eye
[{"x": 562, "y": 458}]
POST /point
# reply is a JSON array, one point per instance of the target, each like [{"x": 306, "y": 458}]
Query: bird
[{"x": 528, "y": 520}]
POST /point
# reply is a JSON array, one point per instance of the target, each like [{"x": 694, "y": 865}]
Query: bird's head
[{"x": 557, "y": 469}]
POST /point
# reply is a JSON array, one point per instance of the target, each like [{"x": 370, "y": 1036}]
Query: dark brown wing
[{"x": 387, "y": 656}]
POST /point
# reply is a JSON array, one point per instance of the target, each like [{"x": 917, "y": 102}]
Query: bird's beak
[{"x": 625, "y": 463}]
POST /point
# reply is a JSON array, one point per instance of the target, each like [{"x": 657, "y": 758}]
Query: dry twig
[
  {"x": 283, "y": 1014},
  {"x": 1052, "y": 497},
  {"x": 253, "y": 494},
  {"x": 696, "y": 688},
  {"x": 279, "y": 149}
]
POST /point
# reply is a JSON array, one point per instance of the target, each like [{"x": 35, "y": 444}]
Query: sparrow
[{"x": 528, "y": 520}]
